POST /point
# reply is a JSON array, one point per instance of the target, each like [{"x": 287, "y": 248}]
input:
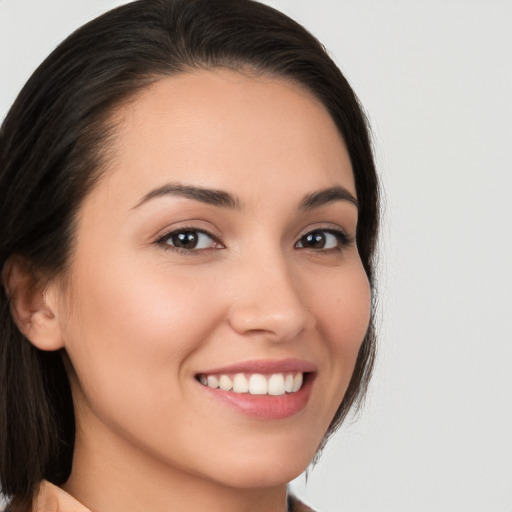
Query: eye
[
  {"x": 323, "y": 239},
  {"x": 189, "y": 240}
]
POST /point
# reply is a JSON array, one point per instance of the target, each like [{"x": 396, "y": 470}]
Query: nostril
[{"x": 277, "y": 320}]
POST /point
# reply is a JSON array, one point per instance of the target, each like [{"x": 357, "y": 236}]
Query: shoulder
[{"x": 50, "y": 498}]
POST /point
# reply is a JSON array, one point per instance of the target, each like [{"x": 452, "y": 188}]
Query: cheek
[
  {"x": 132, "y": 337},
  {"x": 352, "y": 311},
  {"x": 343, "y": 308},
  {"x": 130, "y": 325}
]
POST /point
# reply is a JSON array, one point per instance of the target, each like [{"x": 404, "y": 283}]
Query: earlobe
[{"x": 32, "y": 307}]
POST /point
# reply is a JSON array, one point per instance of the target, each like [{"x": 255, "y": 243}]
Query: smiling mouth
[{"x": 275, "y": 384}]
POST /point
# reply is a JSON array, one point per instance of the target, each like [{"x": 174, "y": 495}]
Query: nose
[{"x": 268, "y": 301}]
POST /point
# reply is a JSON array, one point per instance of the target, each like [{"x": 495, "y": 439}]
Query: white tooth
[
  {"x": 297, "y": 382},
  {"x": 213, "y": 382},
  {"x": 240, "y": 383},
  {"x": 225, "y": 383},
  {"x": 276, "y": 384},
  {"x": 288, "y": 383},
  {"x": 258, "y": 384},
  {"x": 203, "y": 380}
]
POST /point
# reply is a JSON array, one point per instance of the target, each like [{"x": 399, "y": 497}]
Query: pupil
[
  {"x": 186, "y": 240},
  {"x": 315, "y": 240}
]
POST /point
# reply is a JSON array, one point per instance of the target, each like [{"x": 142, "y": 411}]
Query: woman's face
[{"x": 218, "y": 249}]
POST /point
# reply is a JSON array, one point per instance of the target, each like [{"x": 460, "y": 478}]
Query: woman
[{"x": 188, "y": 220}]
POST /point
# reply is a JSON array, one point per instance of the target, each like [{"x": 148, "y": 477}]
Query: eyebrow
[
  {"x": 326, "y": 196},
  {"x": 204, "y": 195},
  {"x": 224, "y": 199}
]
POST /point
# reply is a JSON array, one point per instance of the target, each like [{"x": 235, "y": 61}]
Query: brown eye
[
  {"x": 189, "y": 240},
  {"x": 323, "y": 239},
  {"x": 315, "y": 240}
]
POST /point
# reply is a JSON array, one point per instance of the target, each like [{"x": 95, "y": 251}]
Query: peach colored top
[{"x": 51, "y": 498}]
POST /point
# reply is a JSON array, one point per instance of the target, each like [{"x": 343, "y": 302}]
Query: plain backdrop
[{"x": 436, "y": 80}]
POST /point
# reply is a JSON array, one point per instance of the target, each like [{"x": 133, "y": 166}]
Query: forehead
[{"x": 228, "y": 130}]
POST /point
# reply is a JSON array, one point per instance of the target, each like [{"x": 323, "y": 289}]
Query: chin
[
  {"x": 268, "y": 477},
  {"x": 265, "y": 469}
]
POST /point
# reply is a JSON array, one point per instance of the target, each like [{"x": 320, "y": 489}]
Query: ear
[{"x": 33, "y": 305}]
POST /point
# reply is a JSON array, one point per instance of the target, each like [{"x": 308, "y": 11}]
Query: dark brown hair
[{"x": 54, "y": 146}]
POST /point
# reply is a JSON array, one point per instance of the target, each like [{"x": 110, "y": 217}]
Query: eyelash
[
  {"x": 342, "y": 238},
  {"x": 162, "y": 240}
]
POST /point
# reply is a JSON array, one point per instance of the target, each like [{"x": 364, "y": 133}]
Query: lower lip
[{"x": 266, "y": 407}]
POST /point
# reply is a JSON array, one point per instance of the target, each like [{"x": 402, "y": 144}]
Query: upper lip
[{"x": 266, "y": 366}]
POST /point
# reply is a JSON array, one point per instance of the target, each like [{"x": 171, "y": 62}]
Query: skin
[{"x": 139, "y": 319}]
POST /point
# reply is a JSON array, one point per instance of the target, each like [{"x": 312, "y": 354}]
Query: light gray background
[{"x": 436, "y": 79}]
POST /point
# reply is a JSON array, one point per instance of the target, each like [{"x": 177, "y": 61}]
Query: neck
[{"x": 108, "y": 477}]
